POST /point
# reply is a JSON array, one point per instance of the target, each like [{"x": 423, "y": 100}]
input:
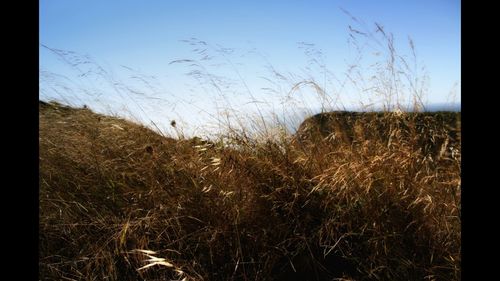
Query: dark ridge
[{"x": 435, "y": 131}]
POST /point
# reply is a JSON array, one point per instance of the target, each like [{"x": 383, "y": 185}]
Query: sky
[{"x": 163, "y": 60}]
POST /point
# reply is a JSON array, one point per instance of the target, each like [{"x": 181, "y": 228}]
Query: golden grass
[{"x": 120, "y": 202}]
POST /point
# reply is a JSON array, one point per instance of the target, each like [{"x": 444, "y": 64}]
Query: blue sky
[{"x": 146, "y": 36}]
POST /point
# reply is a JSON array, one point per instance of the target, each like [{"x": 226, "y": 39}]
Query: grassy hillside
[
  {"x": 120, "y": 202},
  {"x": 433, "y": 134}
]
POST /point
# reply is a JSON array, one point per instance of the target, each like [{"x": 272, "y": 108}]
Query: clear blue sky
[{"x": 145, "y": 36}]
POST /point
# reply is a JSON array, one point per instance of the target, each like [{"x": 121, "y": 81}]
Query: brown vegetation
[{"x": 120, "y": 202}]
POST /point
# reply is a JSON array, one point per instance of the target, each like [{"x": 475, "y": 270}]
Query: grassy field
[{"x": 365, "y": 196}]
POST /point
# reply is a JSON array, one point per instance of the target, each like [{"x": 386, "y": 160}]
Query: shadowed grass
[
  {"x": 120, "y": 202},
  {"x": 350, "y": 196}
]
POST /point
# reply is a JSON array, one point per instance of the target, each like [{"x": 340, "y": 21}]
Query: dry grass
[
  {"x": 120, "y": 202},
  {"x": 351, "y": 196}
]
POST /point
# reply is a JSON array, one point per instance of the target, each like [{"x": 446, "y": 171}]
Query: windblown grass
[
  {"x": 349, "y": 196},
  {"x": 120, "y": 202}
]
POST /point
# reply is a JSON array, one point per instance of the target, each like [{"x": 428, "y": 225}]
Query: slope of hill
[
  {"x": 120, "y": 202},
  {"x": 434, "y": 134}
]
